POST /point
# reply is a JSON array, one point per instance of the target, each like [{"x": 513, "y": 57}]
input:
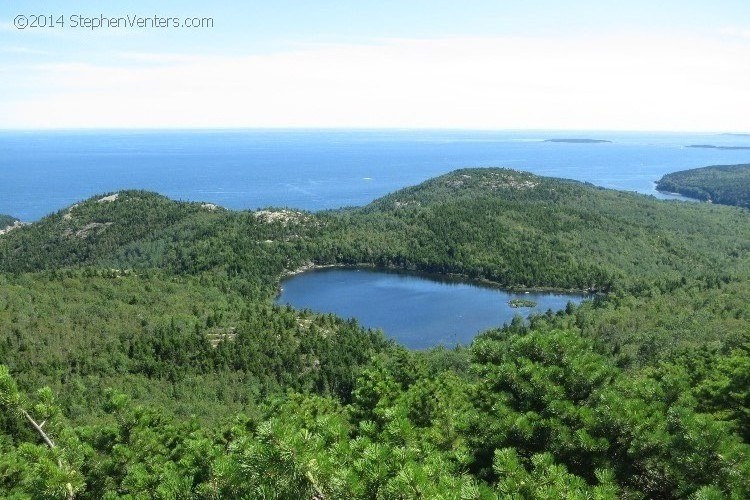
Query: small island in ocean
[
  {"x": 579, "y": 141},
  {"x": 711, "y": 146},
  {"x": 521, "y": 303},
  {"x": 724, "y": 184},
  {"x": 735, "y": 134}
]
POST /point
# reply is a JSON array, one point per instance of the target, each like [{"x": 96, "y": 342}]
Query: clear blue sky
[{"x": 267, "y": 52}]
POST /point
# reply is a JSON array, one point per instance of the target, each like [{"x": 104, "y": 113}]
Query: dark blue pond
[{"x": 418, "y": 311}]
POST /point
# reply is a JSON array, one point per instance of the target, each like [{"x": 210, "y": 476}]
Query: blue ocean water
[{"x": 43, "y": 172}]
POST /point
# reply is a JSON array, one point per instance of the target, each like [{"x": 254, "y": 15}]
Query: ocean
[{"x": 43, "y": 172}]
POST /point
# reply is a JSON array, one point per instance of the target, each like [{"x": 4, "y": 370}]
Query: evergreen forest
[
  {"x": 142, "y": 354},
  {"x": 725, "y": 184}
]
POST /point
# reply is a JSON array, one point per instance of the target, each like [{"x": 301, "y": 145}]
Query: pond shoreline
[{"x": 418, "y": 310}]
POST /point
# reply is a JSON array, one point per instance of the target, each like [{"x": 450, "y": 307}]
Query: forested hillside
[
  {"x": 143, "y": 333},
  {"x": 725, "y": 184},
  {"x": 518, "y": 229}
]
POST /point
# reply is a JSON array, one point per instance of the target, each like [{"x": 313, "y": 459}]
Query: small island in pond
[
  {"x": 579, "y": 141},
  {"x": 711, "y": 146},
  {"x": 521, "y": 303},
  {"x": 724, "y": 184}
]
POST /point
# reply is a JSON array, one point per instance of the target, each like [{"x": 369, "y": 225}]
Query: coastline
[{"x": 670, "y": 193}]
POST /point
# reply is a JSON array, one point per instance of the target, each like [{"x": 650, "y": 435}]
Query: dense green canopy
[
  {"x": 142, "y": 332},
  {"x": 725, "y": 184}
]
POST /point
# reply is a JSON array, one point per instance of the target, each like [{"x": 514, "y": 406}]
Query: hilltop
[
  {"x": 518, "y": 229},
  {"x": 512, "y": 228}
]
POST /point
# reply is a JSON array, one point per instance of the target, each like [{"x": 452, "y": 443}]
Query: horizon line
[{"x": 363, "y": 129}]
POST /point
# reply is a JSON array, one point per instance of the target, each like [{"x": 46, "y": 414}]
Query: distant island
[
  {"x": 724, "y": 184},
  {"x": 711, "y": 146},
  {"x": 736, "y": 135},
  {"x": 579, "y": 141}
]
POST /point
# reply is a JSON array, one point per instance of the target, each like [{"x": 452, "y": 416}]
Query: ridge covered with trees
[
  {"x": 725, "y": 184},
  {"x": 142, "y": 355}
]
